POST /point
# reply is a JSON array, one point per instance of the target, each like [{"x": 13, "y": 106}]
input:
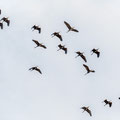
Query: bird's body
[
  {"x": 35, "y": 68},
  {"x": 39, "y": 44},
  {"x": 81, "y": 55},
  {"x": 35, "y": 27},
  {"x": 57, "y": 34},
  {"x": 107, "y": 103},
  {"x": 87, "y": 110},
  {"x": 70, "y": 28},
  {"x": 4, "y": 19},
  {"x": 96, "y": 52},
  {"x": 63, "y": 48},
  {"x": 87, "y": 68}
]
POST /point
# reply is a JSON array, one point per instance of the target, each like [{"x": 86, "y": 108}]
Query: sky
[{"x": 62, "y": 89}]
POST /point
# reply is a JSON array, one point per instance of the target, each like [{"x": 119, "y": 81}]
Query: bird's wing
[
  {"x": 8, "y": 22},
  {"x": 36, "y": 42},
  {"x": 75, "y": 30},
  {"x": 59, "y": 36},
  {"x": 43, "y": 46},
  {"x": 84, "y": 58},
  {"x": 67, "y": 24},
  {"x": 65, "y": 50},
  {"x": 86, "y": 67},
  {"x": 39, "y": 70},
  {"x": 110, "y": 104},
  {"x": 89, "y": 111},
  {"x": 39, "y": 29},
  {"x": 98, "y": 54},
  {"x": 1, "y": 25}
]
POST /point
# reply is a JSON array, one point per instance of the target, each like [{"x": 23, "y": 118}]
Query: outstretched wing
[
  {"x": 1, "y": 25},
  {"x": 98, "y": 54},
  {"x": 39, "y": 30},
  {"x": 37, "y": 69},
  {"x": 75, "y": 30},
  {"x": 59, "y": 36},
  {"x": 36, "y": 42},
  {"x": 43, "y": 46},
  {"x": 86, "y": 67},
  {"x": 110, "y": 104},
  {"x": 89, "y": 111},
  {"x": 84, "y": 58},
  {"x": 8, "y": 22},
  {"x": 67, "y": 24}
]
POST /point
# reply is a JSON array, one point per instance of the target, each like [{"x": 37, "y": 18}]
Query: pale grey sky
[{"x": 62, "y": 89}]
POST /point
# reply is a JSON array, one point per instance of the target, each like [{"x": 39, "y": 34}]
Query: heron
[
  {"x": 81, "y": 55},
  {"x": 35, "y": 68},
  {"x": 87, "y": 110},
  {"x": 39, "y": 44},
  {"x": 70, "y": 28},
  {"x": 63, "y": 48},
  {"x": 5, "y": 19},
  {"x": 96, "y": 52},
  {"x": 107, "y": 103},
  {"x": 35, "y": 27},
  {"x": 57, "y": 34},
  {"x": 88, "y": 70}
]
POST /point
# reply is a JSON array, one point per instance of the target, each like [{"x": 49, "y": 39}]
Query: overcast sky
[{"x": 63, "y": 88}]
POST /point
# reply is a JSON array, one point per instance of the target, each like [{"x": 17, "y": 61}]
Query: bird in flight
[
  {"x": 96, "y": 52},
  {"x": 62, "y": 47},
  {"x": 87, "y": 68},
  {"x": 81, "y": 55},
  {"x": 107, "y": 103},
  {"x": 39, "y": 44},
  {"x": 4, "y": 19},
  {"x": 70, "y": 28},
  {"x": 35, "y": 27},
  {"x": 57, "y": 34},
  {"x": 35, "y": 68},
  {"x": 1, "y": 25},
  {"x": 87, "y": 110}
]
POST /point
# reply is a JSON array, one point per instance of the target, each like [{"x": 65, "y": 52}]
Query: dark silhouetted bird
[
  {"x": 87, "y": 110},
  {"x": 63, "y": 48},
  {"x": 4, "y": 19},
  {"x": 87, "y": 68},
  {"x": 81, "y": 55},
  {"x": 96, "y": 52},
  {"x": 35, "y": 27},
  {"x": 57, "y": 34},
  {"x": 35, "y": 68},
  {"x": 1, "y": 25},
  {"x": 70, "y": 28},
  {"x": 107, "y": 102},
  {"x": 39, "y": 44}
]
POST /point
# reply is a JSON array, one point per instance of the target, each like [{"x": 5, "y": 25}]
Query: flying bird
[
  {"x": 35, "y": 68},
  {"x": 62, "y": 47},
  {"x": 57, "y": 34},
  {"x": 87, "y": 68},
  {"x": 1, "y": 25},
  {"x": 96, "y": 52},
  {"x": 35, "y": 27},
  {"x": 70, "y": 28},
  {"x": 107, "y": 103},
  {"x": 4, "y": 19},
  {"x": 87, "y": 110},
  {"x": 39, "y": 44},
  {"x": 81, "y": 55}
]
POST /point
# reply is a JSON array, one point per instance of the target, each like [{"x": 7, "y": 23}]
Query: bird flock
[{"x": 61, "y": 47}]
